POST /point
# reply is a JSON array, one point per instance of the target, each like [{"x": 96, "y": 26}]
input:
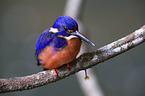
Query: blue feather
[
  {"x": 44, "y": 39},
  {"x": 66, "y": 21},
  {"x": 57, "y": 42},
  {"x": 48, "y": 37}
]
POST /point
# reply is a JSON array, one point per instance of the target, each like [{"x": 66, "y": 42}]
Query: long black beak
[{"x": 82, "y": 37}]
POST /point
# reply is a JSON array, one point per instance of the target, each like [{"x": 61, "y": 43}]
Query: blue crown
[{"x": 66, "y": 21}]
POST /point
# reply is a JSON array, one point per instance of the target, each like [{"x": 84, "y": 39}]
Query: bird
[{"x": 59, "y": 44}]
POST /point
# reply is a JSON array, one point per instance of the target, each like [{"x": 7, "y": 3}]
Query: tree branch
[{"x": 85, "y": 61}]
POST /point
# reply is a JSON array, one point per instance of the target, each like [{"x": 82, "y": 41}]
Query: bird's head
[
  {"x": 66, "y": 26},
  {"x": 65, "y": 21}
]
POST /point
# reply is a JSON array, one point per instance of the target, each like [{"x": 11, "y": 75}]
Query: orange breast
[{"x": 50, "y": 59}]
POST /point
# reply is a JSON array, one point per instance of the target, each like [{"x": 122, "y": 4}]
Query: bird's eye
[{"x": 65, "y": 29}]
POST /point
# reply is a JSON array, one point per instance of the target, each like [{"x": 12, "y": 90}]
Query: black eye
[{"x": 65, "y": 29}]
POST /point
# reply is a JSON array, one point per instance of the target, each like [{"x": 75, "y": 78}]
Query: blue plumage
[
  {"x": 47, "y": 38},
  {"x": 59, "y": 44},
  {"x": 66, "y": 21},
  {"x": 43, "y": 40}
]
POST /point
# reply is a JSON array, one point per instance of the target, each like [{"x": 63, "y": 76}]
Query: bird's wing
[
  {"x": 44, "y": 39},
  {"x": 57, "y": 43}
]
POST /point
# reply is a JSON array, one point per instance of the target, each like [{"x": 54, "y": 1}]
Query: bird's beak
[{"x": 82, "y": 37}]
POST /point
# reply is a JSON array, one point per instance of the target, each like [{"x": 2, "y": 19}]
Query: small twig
[
  {"x": 83, "y": 62},
  {"x": 86, "y": 75}
]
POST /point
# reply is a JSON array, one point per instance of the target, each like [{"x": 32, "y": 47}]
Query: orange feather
[{"x": 51, "y": 59}]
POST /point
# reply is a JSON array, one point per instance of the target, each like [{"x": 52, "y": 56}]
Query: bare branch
[{"x": 85, "y": 61}]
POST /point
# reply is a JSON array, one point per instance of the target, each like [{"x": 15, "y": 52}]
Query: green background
[{"x": 21, "y": 22}]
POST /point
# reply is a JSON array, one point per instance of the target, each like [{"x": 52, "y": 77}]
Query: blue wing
[
  {"x": 45, "y": 39},
  {"x": 59, "y": 42}
]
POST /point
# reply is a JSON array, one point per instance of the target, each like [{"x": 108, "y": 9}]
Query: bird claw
[
  {"x": 68, "y": 65},
  {"x": 54, "y": 71}
]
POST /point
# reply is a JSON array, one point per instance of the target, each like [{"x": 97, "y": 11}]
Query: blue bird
[{"x": 59, "y": 44}]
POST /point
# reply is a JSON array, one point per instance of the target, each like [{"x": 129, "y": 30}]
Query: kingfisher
[{"x": 59, "y": 44}]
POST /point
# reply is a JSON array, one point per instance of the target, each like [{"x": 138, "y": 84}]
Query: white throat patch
[
  {"x": 54, "y": 30},
  {"x": 70, "y": 37}
]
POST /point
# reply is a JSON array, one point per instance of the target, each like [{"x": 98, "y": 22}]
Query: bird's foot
[
  {"x": 68, "y": 65},
  {"x": 55, "y": 74},
  {"x": 54, "y": 71}
]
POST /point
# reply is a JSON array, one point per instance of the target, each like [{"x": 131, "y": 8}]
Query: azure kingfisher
[{"x": 59, "y": 44}]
